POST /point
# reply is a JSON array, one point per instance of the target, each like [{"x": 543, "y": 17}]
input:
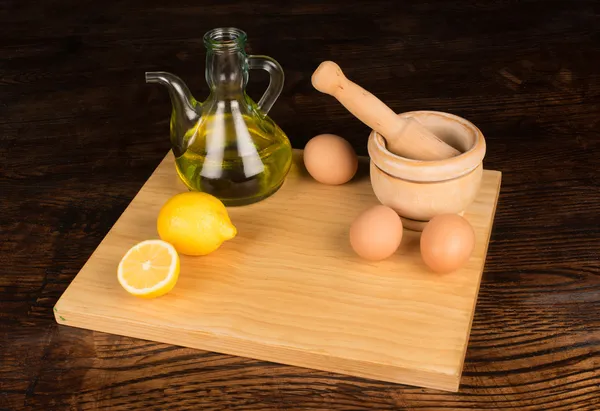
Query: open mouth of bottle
[{"x": 225, "y": 38}]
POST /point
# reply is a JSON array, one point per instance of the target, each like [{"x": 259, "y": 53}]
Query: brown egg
[
  {"x": 376, "y": 233},
  {"x": 330, "y": 159},
  {"x": 447, "y": 242}
]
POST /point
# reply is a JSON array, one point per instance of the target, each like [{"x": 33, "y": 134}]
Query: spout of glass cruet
[
  {"x": 186, "y": 109},
  {"x": 181, "y": 98}
]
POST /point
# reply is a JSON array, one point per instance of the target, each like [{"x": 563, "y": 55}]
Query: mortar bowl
[{"x": 419, "y": 190}]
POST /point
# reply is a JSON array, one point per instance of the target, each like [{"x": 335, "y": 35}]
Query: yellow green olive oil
[{"x": 237, "y": 158}]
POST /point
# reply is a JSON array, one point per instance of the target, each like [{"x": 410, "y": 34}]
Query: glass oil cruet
[{"x": 228, "y": 146}]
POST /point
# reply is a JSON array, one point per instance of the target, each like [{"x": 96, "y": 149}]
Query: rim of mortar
[{"x": 428, "y": 170}]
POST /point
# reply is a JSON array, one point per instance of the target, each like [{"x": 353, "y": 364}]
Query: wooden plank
[{"x": 289, "y": 288}]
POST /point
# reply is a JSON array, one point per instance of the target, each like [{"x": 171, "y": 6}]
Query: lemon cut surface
[{"x": 149, "y": 269}]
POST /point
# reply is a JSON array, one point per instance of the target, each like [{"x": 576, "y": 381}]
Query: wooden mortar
[{"x": 419, "y": 190}]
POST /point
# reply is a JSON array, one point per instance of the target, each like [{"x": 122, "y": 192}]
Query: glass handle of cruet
[{"x": 275, "y": 84}]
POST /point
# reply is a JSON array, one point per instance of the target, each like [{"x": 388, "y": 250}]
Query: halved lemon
[{"x": 149, "y": 269}]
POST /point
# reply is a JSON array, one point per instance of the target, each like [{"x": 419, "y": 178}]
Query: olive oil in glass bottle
[{"x": 227, "y": 145}]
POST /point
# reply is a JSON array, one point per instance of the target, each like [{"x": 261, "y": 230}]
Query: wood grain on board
[{"x": 288, "y": 288}]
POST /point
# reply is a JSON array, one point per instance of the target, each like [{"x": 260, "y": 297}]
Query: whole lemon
[{"x": 195, "y": 223}]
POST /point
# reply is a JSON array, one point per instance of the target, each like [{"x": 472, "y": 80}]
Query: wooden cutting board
[{"x": 289, "y": 288}]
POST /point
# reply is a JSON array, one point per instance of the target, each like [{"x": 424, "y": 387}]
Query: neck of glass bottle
[{"x": 226, "y": 73}]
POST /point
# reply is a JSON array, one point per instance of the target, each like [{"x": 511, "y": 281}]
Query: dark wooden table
[{"x": 81, "y": 132}]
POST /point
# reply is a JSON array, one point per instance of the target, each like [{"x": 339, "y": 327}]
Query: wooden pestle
[{"x": 404, "y": 137}]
